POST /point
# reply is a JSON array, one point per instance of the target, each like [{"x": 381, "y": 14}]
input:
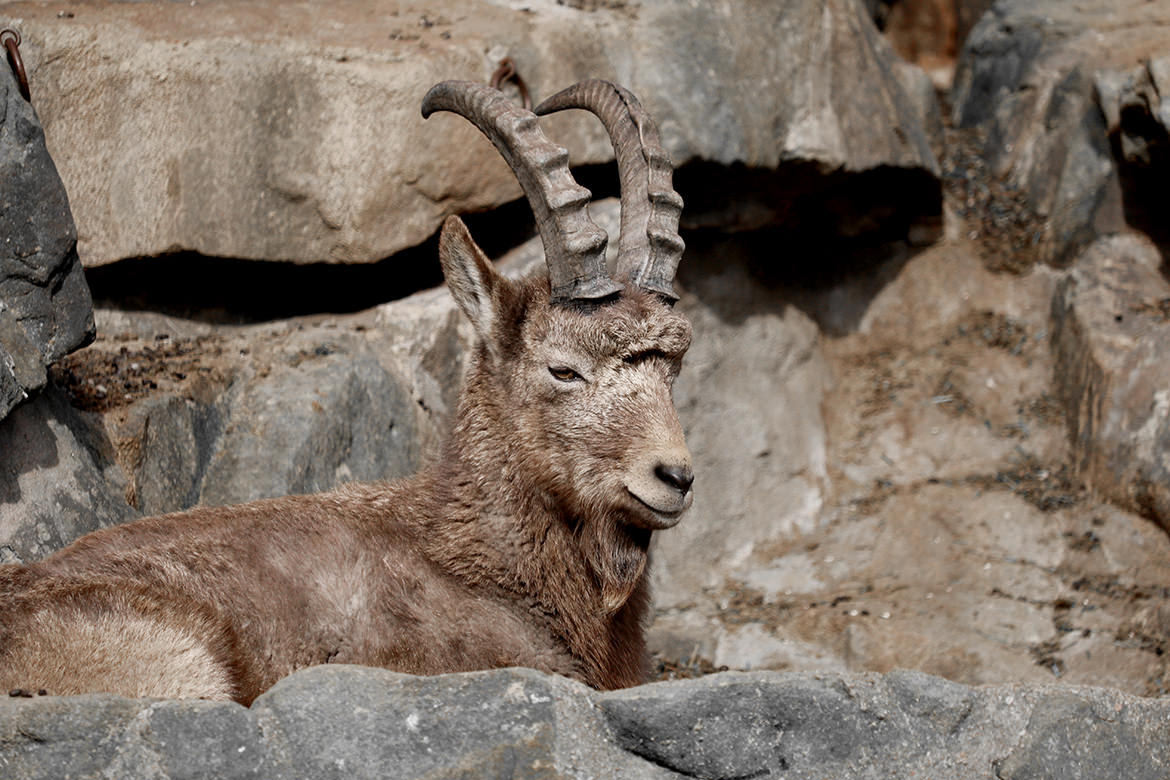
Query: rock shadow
[
  {"x": 1141, "y": 149},
  {"x": 222, "y": 290},
  {"x": 27, "y": 442},
  {"x": 57, "y": 478},
  {"x": 833, "y": 282}
]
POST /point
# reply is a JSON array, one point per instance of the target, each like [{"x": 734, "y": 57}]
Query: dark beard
[{"x": 617, "y": 554}]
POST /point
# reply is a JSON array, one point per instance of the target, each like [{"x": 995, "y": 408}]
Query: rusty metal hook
[
  {"x": 10, "y": 39},
  {"x": 507, "y": 72}
]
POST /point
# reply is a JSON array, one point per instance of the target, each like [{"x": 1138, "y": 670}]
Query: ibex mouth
[{"x": 657, "y": 519}]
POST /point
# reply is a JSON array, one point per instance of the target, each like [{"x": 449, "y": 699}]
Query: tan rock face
[
  {"x": 1111, "y": 323},
  {"x": 925, "y": 32},
  {"x": 942, "y": 524},
  {"x": 291, "y": 130}
]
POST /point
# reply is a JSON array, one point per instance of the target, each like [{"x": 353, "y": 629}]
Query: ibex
[{"x": 523, "y": 544}]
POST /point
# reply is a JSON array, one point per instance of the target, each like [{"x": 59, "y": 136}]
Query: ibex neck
[{"x": 504, "y": 534}]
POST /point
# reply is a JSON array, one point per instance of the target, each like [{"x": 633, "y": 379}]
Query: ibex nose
[{"x": 680, "y": 477}]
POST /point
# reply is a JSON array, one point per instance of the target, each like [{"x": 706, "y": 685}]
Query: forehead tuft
[{"x": 635, "y": 323}]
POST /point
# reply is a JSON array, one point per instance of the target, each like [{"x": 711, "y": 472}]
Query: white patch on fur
[{"x": 130, "y": 655}]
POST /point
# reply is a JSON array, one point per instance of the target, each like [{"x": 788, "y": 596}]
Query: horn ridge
[
  {"x": 574, "y": 245},
  {"x": 649, "y": 247}
]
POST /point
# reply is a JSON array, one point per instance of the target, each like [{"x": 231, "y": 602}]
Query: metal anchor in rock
[{"x": 10, "y": 40}]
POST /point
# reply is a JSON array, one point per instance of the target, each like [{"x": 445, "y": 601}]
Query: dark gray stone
[
  {"x": 943, "y": 704},
  {"x": 751, "y": 725},
  {"x": 333, "y": 417},
  {"x": 1068, "y": 738},
  {"x": 174, "y": 438},
  {"x": 370, "y": 723},
  {"x": 45, "y": 307},
  {"x": 58, "y": 479},
  {"x": 265, "y": 411},
  {"x": 48, "y": 738}
]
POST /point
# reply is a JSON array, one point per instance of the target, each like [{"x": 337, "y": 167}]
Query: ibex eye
[{"x": 563, "y": 374}]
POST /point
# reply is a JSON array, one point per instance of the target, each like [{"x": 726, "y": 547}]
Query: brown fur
[{"x": 524, "y": 544}]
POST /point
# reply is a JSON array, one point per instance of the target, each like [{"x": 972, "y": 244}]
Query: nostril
[{"x": 680, "y": 477}]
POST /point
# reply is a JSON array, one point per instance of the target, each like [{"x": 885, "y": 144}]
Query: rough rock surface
[
  {"x": 170, "y": 413},
  {"x": 1027, "y": 81},
  {"x": 354, "y": 722},
  {"x": 1112, "y": 331},
  {"x": 45, "y": 307},
  {"x": 750, "y": 403},
  {"x": 933, "y": 518},
  {"x": 205, "y": 127},
  {"x": 58, "y": 478}
]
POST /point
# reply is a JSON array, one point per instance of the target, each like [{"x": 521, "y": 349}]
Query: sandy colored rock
[
  {"x": 206, "y": 127},
  {"x": 953, "y": 534}
]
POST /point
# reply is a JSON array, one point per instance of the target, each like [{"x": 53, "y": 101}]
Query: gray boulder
[
  {"x": 1111, "y": 320},
  {"x": 339, "y": 721},
  {"x": 45, "y": 306},
  {"x": 59, "y": 478},
  {"x": 1027, "y": 82},
  {"x": 307, "y": 145},
  {"x": 335, "y": 417},
  {"x": 217, "y": 416}
]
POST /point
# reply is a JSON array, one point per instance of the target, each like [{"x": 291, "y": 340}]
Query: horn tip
[
  {"x": 431, "y": 99},
  {"x": 440, "y": 96}
]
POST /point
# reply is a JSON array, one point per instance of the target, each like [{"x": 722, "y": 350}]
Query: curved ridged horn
[
  {"x": 574, "y": 246},
  {"x": 649, "y": 247}
]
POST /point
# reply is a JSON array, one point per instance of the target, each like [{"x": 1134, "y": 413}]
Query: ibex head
[{"x": 582, "y": 364}]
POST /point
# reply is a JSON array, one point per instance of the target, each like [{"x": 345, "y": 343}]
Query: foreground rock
[
  {"x": 1112, "y": 318},
  {"x": 1038, "y": 80},
  {"x": 338, "y": 721},
  {"x": 45, "y": 307},
  {"x": 199, "y": 127}
]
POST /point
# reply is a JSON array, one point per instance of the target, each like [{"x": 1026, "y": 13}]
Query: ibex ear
[{"x": 470, "y": 274}]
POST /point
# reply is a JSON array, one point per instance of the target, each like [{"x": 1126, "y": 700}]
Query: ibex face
[
  {"x": 571, "y": 403},
  {"x": 586, "y": 386},
  {"x": 595, "y": 391}
]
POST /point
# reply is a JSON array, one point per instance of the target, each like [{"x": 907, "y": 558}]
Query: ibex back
[{"x": 524, "y": 544}]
